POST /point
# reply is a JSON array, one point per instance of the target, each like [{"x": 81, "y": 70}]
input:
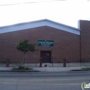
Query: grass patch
[
  {"x": 86, "y": 68},
  {"x": 21, "y": 67}
]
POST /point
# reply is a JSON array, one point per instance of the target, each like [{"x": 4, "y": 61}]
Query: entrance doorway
[{"x": 46, "y": 56}]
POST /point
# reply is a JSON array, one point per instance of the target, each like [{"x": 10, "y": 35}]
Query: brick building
[
  {"x": 85, "y": 40},
  {"x": 54, "y": 41}
]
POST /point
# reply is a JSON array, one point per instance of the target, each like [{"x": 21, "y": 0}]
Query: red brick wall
[
  {"x": 66, "y": 45},
  {"x": 85, "y": 39}
]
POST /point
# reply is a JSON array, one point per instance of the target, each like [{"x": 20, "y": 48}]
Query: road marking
[
  {"x": 41, "y": 84},
  {"x": 45, "y": 79}
]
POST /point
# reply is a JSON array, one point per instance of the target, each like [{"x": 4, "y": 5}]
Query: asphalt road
[{"x": 43, "y": 80}]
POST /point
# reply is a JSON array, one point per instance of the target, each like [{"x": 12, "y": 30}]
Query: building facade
[
  {"x": 54, "y": 41},
  {"x": 85, "y": 40}
]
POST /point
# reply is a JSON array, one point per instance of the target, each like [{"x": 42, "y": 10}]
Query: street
[{"x": 70, "y": 80}]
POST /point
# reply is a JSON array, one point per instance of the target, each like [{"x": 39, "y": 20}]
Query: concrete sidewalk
[
  {"x": 46, "y": 69},
  {"x": 55, "y": 67}
]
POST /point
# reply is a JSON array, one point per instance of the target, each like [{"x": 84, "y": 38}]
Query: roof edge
[{"x": 38, "y": 23}]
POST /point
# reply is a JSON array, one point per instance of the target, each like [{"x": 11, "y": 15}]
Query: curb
[
  {"x": 37, "y": 71},
  {"x": 19, "y": 71}
]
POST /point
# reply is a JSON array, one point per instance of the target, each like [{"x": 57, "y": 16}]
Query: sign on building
[{"x": 45, "y": 43}]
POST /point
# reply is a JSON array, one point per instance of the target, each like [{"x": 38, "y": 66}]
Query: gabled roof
[{"x": 39, "y": 23}]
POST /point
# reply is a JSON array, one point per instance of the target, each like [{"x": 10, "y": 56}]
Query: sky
[{"x": 67, "y": 12}]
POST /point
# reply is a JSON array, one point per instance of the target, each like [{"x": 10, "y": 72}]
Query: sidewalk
[
  {"x": 45, "y": 69},
  {"x": 56, "y": 67}
]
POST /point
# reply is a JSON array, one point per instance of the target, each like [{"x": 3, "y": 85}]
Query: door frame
[{"x": 47, "y": 51}]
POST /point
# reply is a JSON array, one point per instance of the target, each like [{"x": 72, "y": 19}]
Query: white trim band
[{"x": 39, "y": 23}]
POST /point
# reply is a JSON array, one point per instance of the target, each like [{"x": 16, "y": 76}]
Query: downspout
[{"x": 80, "y": 48}]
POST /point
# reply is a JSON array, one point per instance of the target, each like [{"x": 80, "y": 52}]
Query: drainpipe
[{"x": 80, "y": 48}]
